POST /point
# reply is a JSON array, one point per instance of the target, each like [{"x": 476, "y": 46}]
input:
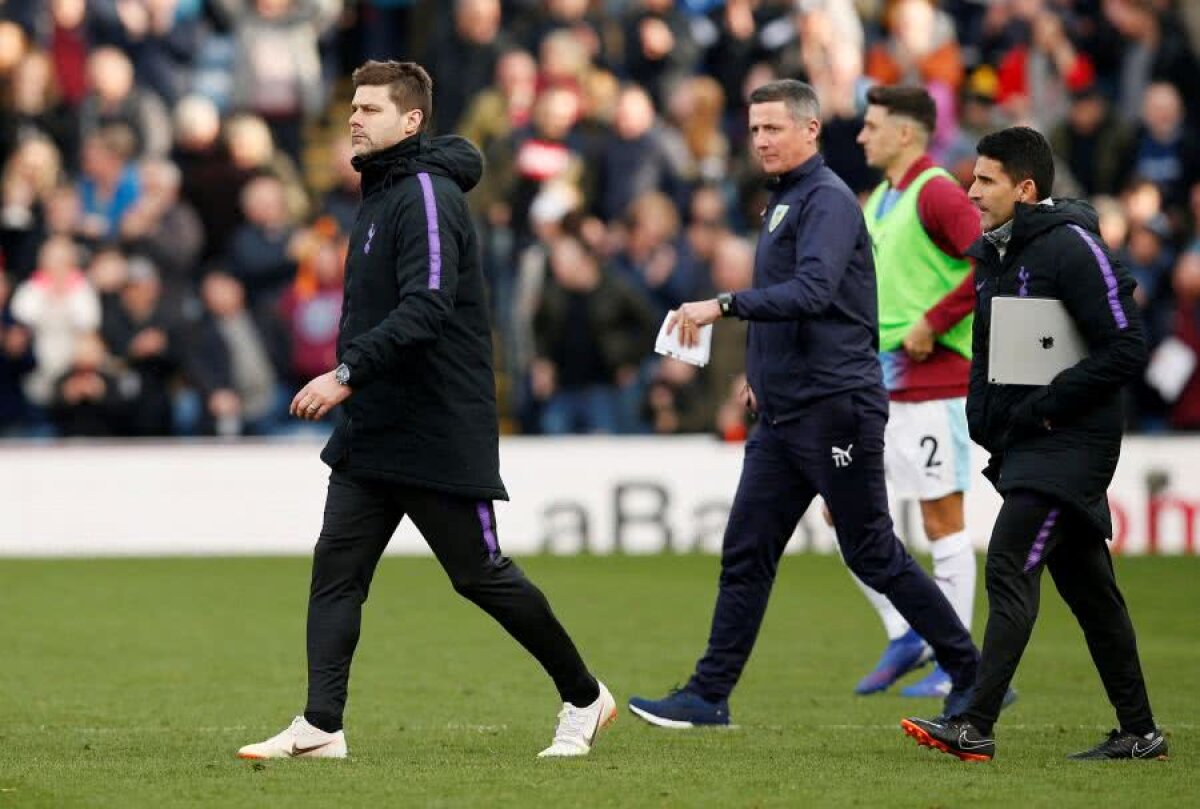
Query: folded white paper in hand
[{"x": 668, "y": 344}]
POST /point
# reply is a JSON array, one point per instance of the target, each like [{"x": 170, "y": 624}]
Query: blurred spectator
[
  {"x": 108, "y": 187},
  {"x": 659, "y": 48},
  {"x": 32, "y": 107},
  {"x": 1094, "y": 143},
  {"x": 1166, "y": 151},
  {"x": 643, "y": 156},
  {"x": 235, "y": 363},
  {"x": 978, "y": 115},
  {"x": 114, "y": 99},
  {"x": 1185, "y": 411},
  {"x": 675, "y": 400},
  {"x": 573, "y": 16},
  {"x": 562, "y": 62},
  {"x": 498, "y": 110},
  {"x": 1114, "y": 227},
  {"x": 210, "y": 178},
  {"x": 734, "y": 47},
  {"x": 464, "y": 58},
  {"x": 707, "y": 226},
  {"x": 725, "y": 374},
  {"x": 695, "y": 111},
  {"x": 160, "y": 36},
  {"x": 87, "y": 399},
  {"x": 30, "y": 176},
  {"x": 554, "y": 213},
  {"x": 536, "y": 154},
  {"x": 57, "y": 305},
  {"x": 650, "y": 261},
  {"x": 342, "y": 199},
  {"x": 311, "y": 308},
  {"x": 261, "y": 250},
  {"x": 16, "y": 361},
  {"x": 277, "y": 66},
  {"x": 253, "y": 152},
  {"x": 1037, "y": 78},
  {"x": 921, "y": 48},
  {"x": 142, "y": 333},
  {"x": 165, "y": 229},
  {"x": 14, "y": 44},
  {"x": 1155, "y": 48},
  {"x": 69, "y": 42},
  {"x": 385, "y": 26},
  {"x": 591, "y": 332}
]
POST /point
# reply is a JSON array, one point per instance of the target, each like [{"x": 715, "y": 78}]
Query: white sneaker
[
  {"x": 298, "y": 740},
  {"x": 578, "y": 727}
]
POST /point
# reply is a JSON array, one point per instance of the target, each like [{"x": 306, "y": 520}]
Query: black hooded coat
[{"x": 414, "y": 327}]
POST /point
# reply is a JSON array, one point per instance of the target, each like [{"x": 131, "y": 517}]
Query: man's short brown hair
[
  {"x": 409, "y": 85},
  {"x": 914, "y": 103}
]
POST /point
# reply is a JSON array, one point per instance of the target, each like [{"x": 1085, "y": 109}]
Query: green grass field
[{"x": 130, "y": 683}]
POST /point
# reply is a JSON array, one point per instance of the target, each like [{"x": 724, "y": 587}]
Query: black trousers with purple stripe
[
  {"x": 1032, "y": 532},
  {"x": 360, "y": 517}
]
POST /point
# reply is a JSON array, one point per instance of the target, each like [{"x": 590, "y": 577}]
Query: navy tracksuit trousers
[{"x": 834, "y": 449}]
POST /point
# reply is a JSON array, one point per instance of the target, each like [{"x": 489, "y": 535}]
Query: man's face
[
  {"x": 881, "y": 136},
  {"x": 995, "y": 194},
  {"x": 780, "y": 141},
  {"x": 376, "y": 122}
]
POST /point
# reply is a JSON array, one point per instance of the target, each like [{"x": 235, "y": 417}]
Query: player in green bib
[{"x": 921, "y": 224}]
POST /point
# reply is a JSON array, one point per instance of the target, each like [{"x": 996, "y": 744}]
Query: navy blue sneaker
[
  {"x": 905, "y": 653},
  {"x": 681, "y": 709}
]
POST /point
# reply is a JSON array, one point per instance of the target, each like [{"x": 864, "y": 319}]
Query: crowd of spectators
[{"x": 176, "y": 190}]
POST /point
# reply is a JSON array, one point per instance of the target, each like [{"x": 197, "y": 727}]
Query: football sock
[
  {"x": 893, "y": 622},
  {"x": 954, "y": 570}
]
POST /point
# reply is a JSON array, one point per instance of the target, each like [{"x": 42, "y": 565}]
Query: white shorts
[{"x": 927, "y": 453}]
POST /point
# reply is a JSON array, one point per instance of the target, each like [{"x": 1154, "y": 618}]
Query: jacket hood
[
  {"x": 448, "y": 155},
  {"x": 1030, "y": 221}
]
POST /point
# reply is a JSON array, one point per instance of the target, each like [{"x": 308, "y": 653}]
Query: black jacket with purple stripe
[
  {"x": 414, "y": 328},
  {"x": 1062, "y": 439}
]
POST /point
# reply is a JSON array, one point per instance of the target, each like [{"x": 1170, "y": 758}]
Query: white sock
[
  {"x": 893, "y": 622},
  {"x": 954, "y": 570}
]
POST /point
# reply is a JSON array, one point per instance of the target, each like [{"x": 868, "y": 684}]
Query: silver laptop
[{"x": 1031, "y": 341}]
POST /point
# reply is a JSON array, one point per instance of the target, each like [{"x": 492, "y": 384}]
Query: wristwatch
[
  {"x": 342, "y": 374},
  {"x": 725, "y": 301}
]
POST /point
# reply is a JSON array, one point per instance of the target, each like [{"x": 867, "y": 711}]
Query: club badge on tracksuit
[{"x": 777, "y": 215}]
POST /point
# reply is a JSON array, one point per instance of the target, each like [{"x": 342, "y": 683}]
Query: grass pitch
[{"x": 131, "y": 683}]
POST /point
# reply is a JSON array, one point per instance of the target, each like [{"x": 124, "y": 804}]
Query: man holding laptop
[{"x": 1054, "y": 437}]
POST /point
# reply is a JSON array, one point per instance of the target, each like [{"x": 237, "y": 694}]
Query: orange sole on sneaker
[{"x": 925, "y": 740}]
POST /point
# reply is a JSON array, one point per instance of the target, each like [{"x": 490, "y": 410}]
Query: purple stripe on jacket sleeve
[
  {"x": 1039, "y": 544},
  {"x": 489, "y": 532},
  {"x": 1110, "y": 280},
  {"x": 431, "y": 229}
]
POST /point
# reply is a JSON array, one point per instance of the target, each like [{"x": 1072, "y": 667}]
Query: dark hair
[
  {"x": 409, "y": 85},
  {"x": 911, "y": 102},
  {"x": 1023, "y": 154},
  {"x": 800, "y": 98}
]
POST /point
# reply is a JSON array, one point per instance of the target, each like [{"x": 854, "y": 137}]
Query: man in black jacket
[
  {"x": 419, "y": 435},
  {"x": 1053, "y": 448}
]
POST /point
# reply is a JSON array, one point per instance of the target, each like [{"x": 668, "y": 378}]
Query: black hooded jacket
[
  {"x": 414, "y": 328},
  {"x": 1064, "y": 438}
]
